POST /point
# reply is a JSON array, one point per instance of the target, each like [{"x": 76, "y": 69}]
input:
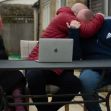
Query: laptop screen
[{"x": 55, "y": 50}]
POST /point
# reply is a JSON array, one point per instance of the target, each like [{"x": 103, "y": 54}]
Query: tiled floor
[{"x": 74, "y": 107}]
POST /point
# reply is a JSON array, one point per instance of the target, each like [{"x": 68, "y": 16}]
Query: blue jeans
[{"x": 91, "y": 81}]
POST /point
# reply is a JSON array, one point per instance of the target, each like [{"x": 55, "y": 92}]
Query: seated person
[
  {"x": 11, "y": 81},
  {"x": 38, "y": 79},
  {"x": 97, "y": 47}
]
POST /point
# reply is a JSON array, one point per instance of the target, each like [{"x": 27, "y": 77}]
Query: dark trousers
[
  {"x": 11, "y": 79},
  {"x": 38, "y": 79}
]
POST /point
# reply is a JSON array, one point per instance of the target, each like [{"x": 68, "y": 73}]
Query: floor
[{"x": 74, "y": 107}]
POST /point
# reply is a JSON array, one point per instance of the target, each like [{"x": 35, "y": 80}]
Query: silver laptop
[{"x": 55, "y": 50}]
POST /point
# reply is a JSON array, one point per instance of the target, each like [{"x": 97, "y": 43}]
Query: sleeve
[
  {"x": 89, "y": 29},
  {"x": 34, "y": 53},
  {"x": 1, "y": 23},
  {"x": 3, "y": 53},
  {"x": 74, "y": 34},
  {"x": 61, "y": 20}
]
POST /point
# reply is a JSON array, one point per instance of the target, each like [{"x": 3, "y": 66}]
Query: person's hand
[{"x": 73, "y": 24}]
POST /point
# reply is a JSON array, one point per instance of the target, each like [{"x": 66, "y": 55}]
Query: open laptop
[{"x": 55, "y": 50}]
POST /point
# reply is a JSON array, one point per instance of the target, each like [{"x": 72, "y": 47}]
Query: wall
[
  {"x": 71, "y": 2},
  {"x": 13, "y": 33}
]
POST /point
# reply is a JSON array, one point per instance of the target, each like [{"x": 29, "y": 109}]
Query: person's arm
[
  {"x": 34, "y": 53},
  {"x": 90, "y": 28},
  {"x": 74, "y": 33},
  {"x": 3, "y": 53},
  {"x": 1, "y": 24},
  {"x": 73, "y": 29}
]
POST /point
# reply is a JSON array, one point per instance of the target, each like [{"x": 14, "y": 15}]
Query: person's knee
[
  {"x": 73, "y": 84},
  {"x": 20, "y": 78},
  {"x": 34, "y": 78},
  {"x": 89, "y": 80},
  {"x": 34, "y": 75},
  {"x": 89, "y": 76}
]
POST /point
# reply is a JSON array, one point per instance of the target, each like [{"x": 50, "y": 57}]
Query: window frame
[
  {"x": 46, "y": 15},
  {"x": 105, "y": 8}
]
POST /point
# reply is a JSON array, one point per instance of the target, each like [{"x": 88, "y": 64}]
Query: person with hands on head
[
  {"x": 97, "y": 47},
  {"x": 64, "y": 78}
]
